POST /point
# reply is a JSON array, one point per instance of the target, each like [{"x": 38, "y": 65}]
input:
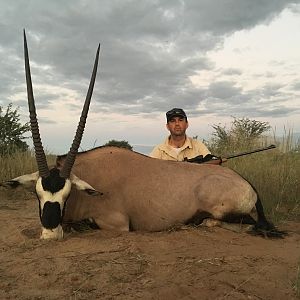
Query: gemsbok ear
[
  {"x": 81, "y": 185},
  {"x": 27, "y": 180}
]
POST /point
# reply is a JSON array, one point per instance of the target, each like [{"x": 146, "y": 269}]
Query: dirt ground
[{"x": 190, "y": 263}]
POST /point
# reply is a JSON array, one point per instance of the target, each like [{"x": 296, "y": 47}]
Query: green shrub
[
  {"x": 12, "y": 131},
  {"x": 120, "y": 144}
]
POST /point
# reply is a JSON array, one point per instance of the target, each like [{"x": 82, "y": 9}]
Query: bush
[
  {"x": 120, "y": 144},
  {"x": 12, "y": 131},
  {"x": 244, "y": 134}
]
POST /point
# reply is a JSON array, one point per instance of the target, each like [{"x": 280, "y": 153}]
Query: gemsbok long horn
[
  {"x": 38, "y": 147},
  {"x": 66, "y": 169}
]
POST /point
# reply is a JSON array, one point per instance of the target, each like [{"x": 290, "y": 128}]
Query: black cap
[{"x": 175, "y": 112}]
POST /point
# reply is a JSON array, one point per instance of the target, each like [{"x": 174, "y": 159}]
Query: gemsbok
[{"x": 122, "y": 190}]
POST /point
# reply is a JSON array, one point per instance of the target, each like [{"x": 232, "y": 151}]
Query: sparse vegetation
[
  {"x": 19, "y": 163},
  {"x": 244, "y": 134},
  {"x": 15, "y": 156},
  {"x": 275, "y": 173},
  {"x": 275, "y": 176}
]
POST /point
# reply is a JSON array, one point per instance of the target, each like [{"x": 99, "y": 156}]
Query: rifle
[{"x": 214, "y": 160}]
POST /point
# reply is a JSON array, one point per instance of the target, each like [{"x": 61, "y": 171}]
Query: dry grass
[
  {"x": 19, "y": 163},
  {"x": 296, "y": 284},
  {"x": 276, "y": 177},
  {"x": 275, "y": 174}
]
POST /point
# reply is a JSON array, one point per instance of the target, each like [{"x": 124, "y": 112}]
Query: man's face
[{"x": 177, "y": 126}]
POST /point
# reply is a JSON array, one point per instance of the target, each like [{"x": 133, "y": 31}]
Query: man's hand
[{"x": 200, "y": 159}]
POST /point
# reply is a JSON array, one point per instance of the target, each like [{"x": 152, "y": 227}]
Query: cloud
[
  {"x": 296, "y": 86},
  {"x": 232, "y": 71},
  {"x": 149, "y": 51}
]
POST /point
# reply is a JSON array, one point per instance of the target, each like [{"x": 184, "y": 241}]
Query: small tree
[
  {"x": 244, "y": 134},
  {"x": 12, "y": 131},
  {"x": 120, "y": 144},
  {"x": 247, "y": 129}
]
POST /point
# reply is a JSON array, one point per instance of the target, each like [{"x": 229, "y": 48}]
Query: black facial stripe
[
  {"x": 51, "y": 215},
  {"x": 12, "y": 183},
  {"x": 53, "y": 183}
]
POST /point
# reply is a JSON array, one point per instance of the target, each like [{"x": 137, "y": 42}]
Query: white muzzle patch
[{"x": 55, "y": 233}]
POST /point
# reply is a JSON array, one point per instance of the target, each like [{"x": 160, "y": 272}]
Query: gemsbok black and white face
[{"x": 53, "y": 186}]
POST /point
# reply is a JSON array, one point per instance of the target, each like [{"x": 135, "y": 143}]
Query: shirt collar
[{"x": 166, "y": 147}]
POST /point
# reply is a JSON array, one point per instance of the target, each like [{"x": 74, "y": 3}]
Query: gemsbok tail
[{"x": 263, "y": 227}]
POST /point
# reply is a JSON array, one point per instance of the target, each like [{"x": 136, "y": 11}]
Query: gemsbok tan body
[
  {"x": 147, "y": 194},
  {"x": 123, "y": 190}
]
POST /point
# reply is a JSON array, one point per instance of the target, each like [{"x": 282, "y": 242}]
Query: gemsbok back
[{"x": 137, "y": 192}]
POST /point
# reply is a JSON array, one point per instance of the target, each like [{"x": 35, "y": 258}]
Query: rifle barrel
[{"x": 250, "y": 152}]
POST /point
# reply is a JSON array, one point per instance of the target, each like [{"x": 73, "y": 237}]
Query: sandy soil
[{"x": 191, "y": 263}]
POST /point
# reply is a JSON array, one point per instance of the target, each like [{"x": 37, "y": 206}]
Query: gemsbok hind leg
[
  {"x": 238, "y": 224},
  {"x": 246, "y": 223},
  {"x": 263, "y": 227}
]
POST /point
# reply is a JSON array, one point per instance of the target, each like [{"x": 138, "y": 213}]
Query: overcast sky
[{"x": 216, "y": 59}]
